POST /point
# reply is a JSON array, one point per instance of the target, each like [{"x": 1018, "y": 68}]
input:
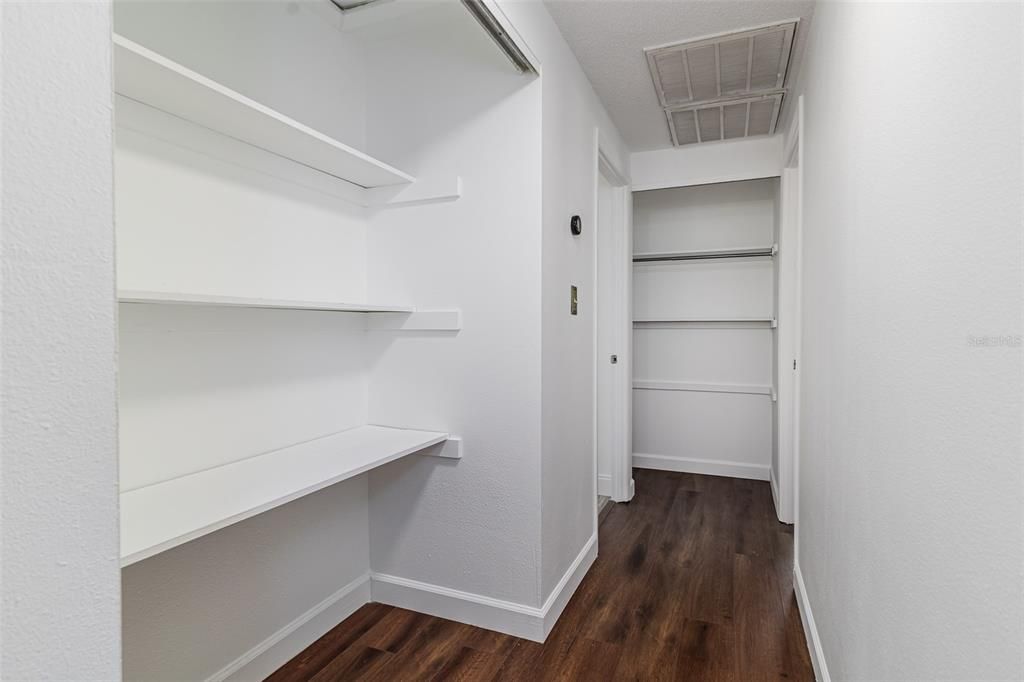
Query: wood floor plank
[
  {"x": 706, "y": 653},
  {"x": 317, "y": 655},
  {"x": 588, "y": 659},
  {"x": 470, "y": 665},
  {"x": 357, "y": 662},
  {"x": 693, "y": 581}
]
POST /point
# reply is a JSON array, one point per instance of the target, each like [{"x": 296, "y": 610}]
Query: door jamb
[
  {"x": 621, "y": 465},
  {"x": 793, "y": 160}
]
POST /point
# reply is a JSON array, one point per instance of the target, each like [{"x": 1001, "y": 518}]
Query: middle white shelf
[{"x": 157, "y": 517}]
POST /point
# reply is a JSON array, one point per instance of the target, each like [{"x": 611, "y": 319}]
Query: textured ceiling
[{"x": 609, "y": 37}]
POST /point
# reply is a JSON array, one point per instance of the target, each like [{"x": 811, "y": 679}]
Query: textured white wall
[
  {"x": 910, "y": 510},
  {"x": 60, "y": 612},
  {"x": 571, "y": 114},
  {"x": 471, "y": 525}
]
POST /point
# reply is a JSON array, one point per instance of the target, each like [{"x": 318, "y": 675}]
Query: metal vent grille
[
  {"x": 723, "y": 87},
  {"x": 735, "y": 64},
  {"x": 727, "y": 120}
]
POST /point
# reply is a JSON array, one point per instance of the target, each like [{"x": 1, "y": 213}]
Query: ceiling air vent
[
  {"x": 727, "y": 120},
  {"x": 725, "y": 86}
]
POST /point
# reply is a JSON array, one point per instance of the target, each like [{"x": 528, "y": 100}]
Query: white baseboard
[
  {"x": 775, "y": 493},
  {"x": 810, "y": 629},
  {"x": 782, "y": 514},
  {"x": 286, "y": 643},
  {"x": 709, "y": 467},
  {"x": 604, "y": 485},
  {"x": 566, "y": 587},
  {"x": 530, "y": 622}
]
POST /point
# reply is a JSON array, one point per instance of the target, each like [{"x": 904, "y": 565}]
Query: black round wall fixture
[{"x": 576, "y": 226}]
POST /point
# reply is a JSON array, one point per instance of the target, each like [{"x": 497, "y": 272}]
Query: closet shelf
[
  {"x": 163, "y": 515},
  {"x": 175, "y": 298},
  {"x": 752, "y": 389},
  {"x": 711, "y": 254},
  {"x": 706, "y": 321},
  {"x": 145, "y": 76}
]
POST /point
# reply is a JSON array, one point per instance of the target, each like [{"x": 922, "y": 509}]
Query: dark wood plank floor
[{"x": 692, "y": 582}]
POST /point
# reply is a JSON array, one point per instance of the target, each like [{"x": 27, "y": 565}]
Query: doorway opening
[{"x": 613, "y": 432}]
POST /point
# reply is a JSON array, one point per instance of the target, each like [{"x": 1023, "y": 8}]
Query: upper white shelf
[
  {"x": 147, "y": 77},
  {"x": 158, "y": 517},
  {"x": 708, "y": 254},
  {"x": 175, "y": 298}
]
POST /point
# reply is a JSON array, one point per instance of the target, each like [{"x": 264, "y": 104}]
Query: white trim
[
  {"x": 286, "y": 643},
  {"x": 710, "y": 467},
  {"x": 619, "y": 307},
  {"x": 810, "y": 629},
  {"x": 511, "y": 618},
  {"x": 779, "y": 511},
  {"x": 519, "y": 620},
  {"x": 566, "y": 587},
  {"x": 604, "y": 485},
  {"x": 794, "y": 478}
]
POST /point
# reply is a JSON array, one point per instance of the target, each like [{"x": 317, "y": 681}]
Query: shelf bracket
[
  {"x": 422, "y": 191},
  {"x": 449, "y": 449},
  {"x": 423, "y": 320}
]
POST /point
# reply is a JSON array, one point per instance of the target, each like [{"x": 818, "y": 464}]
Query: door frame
[
  {"x": 791, "y": 214},
  {"x": 617, "y": 379}
]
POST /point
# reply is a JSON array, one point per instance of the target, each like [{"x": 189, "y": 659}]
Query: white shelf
[
  {"x": 709, "y": 321},
  {"x": 708, "y": 254},
  {"x": 176, "y": 298},
  {"x": 751, "y": 389},
  {"x": 158, "y": 517},
  {"x": 147, "y": 77}
]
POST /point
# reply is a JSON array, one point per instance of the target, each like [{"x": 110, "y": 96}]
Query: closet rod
[{"x": 705, "y": 255}]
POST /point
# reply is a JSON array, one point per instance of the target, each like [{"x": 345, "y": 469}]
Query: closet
[
  {"x": 704, "y": 310},
  {"x": 288, "y": 202}
]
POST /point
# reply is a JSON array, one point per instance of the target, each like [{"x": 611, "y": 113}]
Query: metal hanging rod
[{"x": 706, "y": 255}]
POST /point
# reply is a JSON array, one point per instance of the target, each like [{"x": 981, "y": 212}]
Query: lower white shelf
[
  {"x": 671, "y": 323},
  {"x": 648, "y": 385},
  {"x": 158, "y": 517}
]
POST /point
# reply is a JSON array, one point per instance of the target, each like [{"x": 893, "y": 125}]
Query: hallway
[{"x": 693, "y": 582}]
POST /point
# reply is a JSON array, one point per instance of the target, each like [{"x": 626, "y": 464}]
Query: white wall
[
  {"x": 910, "y": 508},
  {"x": 197, "y": 212},
  {"x": 473, "y": 525},
  {"x": 704, "y": 431},
  {"x": 571, "y": 114},
  {"x": 58, "y": 472},
  {"x": 699, "y": 164}
]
